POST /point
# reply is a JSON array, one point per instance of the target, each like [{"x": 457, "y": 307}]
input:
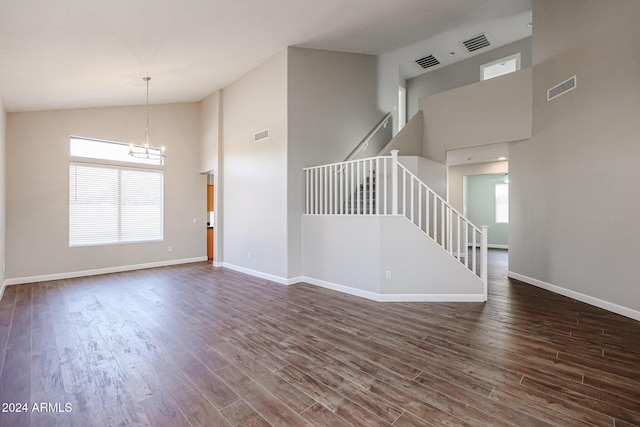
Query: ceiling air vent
[
  {"x": 562, "y": 88},
  {"x": 261, "y": 136},
  {"x": 428, "y": 61},
  {"x": 477, "y": 42}
]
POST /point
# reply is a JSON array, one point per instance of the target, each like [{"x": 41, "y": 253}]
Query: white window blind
[{"x": 111, "y": 204}]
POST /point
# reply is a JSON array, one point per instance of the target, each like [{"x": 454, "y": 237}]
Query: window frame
[
  {"x": 124, "y": 159},
  {"x": 498, "y": 202},
  {"x": 515, "y": 56},
  {"x": 120, "y": 166}
]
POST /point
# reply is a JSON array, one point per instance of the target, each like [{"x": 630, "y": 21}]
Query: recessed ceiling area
[{"x": 78, "y": 54}]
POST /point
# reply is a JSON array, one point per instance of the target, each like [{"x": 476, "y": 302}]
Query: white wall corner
[{"x": 605, "y": 305}]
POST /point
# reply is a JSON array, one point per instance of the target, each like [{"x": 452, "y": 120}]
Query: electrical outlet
[
  {"x": 388, "y": 274},
  {"x": 248, "y": 255},
  {"x": 169, "y": 249}
]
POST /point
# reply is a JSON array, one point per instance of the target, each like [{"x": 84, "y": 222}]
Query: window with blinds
[
  {"x": 111, "y": 204},
  {"x": 502, "y": 203}
]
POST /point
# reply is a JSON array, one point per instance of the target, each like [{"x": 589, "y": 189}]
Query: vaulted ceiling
[{"x": 89, "y": 53}]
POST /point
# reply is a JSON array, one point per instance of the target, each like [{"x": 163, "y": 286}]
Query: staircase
[{"x": 382, "y": 186}]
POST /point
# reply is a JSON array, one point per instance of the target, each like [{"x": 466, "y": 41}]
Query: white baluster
[
  {"x": 427, "y": 212},
  {"x": 458, "y": 235},
  {"x": 404, "y": 192},
  {"x": 376, "y": 185},
  {"x": 443, "y": 220},
  {"x": 483, "y": 260},
  {"x": 315, "y": 192},
  {"x": 435, "y": 218},
  {"x": 394, "y": 182},
  {"x": 450, "y": 230},
  {"x": 420, "y": 207},
  {"x": 473, "y": 253},
  {"x": 306, "y": 187}
]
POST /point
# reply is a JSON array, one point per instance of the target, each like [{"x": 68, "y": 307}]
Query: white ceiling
[{"x": 89, "y": 53}]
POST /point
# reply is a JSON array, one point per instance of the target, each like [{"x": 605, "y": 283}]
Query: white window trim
[
  {"x": 118, "y": 165},
  {"x": 496, "y": 201}
]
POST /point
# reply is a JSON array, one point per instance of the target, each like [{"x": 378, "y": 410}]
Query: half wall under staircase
[{"x": 373, "y": 229}]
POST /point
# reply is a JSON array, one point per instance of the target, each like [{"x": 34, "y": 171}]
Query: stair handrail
[{"x": 365, "y": 141}]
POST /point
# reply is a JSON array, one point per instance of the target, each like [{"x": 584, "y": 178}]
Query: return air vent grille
[
  {"x": 428, "y": 61},
  {"x": 261, "y": 136},
  {"x": 562, "y": 88},
  {"x": 477, "y": 43}
]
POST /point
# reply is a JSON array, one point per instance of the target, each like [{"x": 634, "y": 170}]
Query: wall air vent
[
  {"x": 562, "y": 88},
  {"x": 477, "y": 42},
  {"x": 428, "y": 61},
  {"x": 261, "y": 136}
]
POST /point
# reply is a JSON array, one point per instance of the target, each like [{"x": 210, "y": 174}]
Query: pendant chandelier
[{"x": 146, "y": 150}]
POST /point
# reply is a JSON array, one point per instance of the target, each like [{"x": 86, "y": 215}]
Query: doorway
[
  {"x": 210, "y": 216},
  {"x": 486, "y": 202}
]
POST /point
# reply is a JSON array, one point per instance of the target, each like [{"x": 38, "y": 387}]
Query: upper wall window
[
  {"x": 108, "y": 150},
  {"x": 500, "y": 67}
]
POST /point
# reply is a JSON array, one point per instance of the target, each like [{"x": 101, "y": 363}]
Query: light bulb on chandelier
[{"x": 146, "y": 150}]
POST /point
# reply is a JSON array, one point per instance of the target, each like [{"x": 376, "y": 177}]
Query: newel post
[
  {"x": 394, "y": 182},
  {"x": 483, "y": 260}
]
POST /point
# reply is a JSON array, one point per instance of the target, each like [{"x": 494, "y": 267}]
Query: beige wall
[
  {"x": 462, "y": 73},
  {"x": 317, "y": 105},
  {"x": 37, "y": 190},
  {"x": 3, "y": 180},
  {"x": 575, "y": 204},
  {"x": 353, "y": 255},
  {"x": 496, "y": 110},
  {"x": 254, "y": 179},
  {"x": 212, "y": 162},
  {"x": 210, "y": 111},
  {"x": 332, "y": 105}
]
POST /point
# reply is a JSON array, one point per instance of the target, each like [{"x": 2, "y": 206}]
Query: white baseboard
[
  {"x": 395, "y": 297},
  {"x": 606, "y": 305},
  {"x": 341, "y": 288},
  {"x": 97, "y": 271},
  {"x": 4, "y": 285},
  {"x": 260, "y": 274}
]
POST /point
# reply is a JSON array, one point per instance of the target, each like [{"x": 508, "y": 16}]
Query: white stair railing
[{"x": 383, "y": 186}]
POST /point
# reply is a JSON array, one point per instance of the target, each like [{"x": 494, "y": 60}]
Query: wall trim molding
[
  {"x": 260, "y": 274},
  {"x": 394, "y": 297},
  {"x": 97, "y": 271},
  {"x": 359, "y": 292},
  {"x": 605, "y": 305}
]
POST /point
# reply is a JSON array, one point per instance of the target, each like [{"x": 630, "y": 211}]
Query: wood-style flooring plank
[
  {"x": 15, "y": 379},
  {"x": 193, "y": 345}
]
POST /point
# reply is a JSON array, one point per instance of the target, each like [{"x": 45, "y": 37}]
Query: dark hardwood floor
[{"x": 193, "y": 345}]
